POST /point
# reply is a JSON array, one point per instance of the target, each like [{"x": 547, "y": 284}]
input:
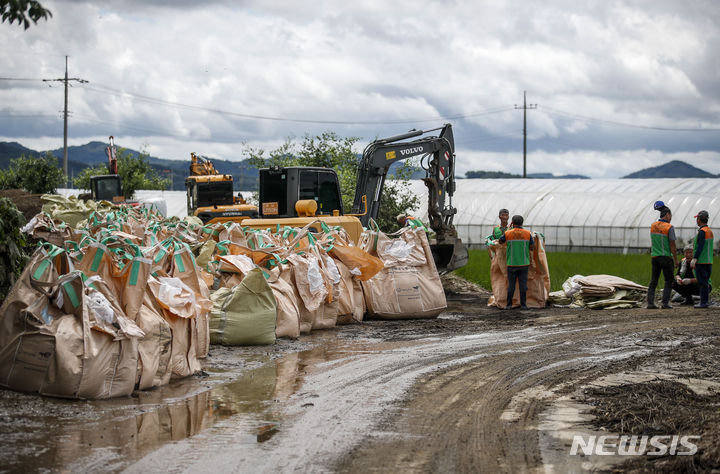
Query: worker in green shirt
[
  {"x": 703, "y": 257},
  {"x": 497, "y": 231}
]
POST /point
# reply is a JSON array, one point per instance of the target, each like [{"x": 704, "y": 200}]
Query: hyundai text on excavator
[
  {"x": 210, "y": 194},
  {"x": 296, "y": 196}
]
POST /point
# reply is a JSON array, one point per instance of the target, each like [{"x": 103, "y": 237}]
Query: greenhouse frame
[{"x": 582, "y": 215}]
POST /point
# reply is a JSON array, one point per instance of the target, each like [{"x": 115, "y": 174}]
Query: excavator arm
[
  {"x": 437, "y": 157},
  {"x": 201, "y": 166}
]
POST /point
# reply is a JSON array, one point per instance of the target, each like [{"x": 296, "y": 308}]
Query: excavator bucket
[{"x": 449, "y": 255}]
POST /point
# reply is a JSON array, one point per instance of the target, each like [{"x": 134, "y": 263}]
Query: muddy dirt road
[{"x": 477, "y": 389}]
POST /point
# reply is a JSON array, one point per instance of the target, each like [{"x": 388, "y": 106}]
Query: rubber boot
[
  {"x": 666, "y": 297},
  {"x": 651, "y": 300}
]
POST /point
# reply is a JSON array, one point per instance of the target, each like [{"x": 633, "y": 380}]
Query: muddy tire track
[
  {"x": 456, "y": 420},
  {"x": 468, "y": 398}
]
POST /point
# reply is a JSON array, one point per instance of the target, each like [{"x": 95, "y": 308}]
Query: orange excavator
[{"x": 210, "y": 194}]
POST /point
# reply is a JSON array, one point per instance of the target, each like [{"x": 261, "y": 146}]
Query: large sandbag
[
  {"x": 244, "y": 314},
  {"x": 287, "y": 323},
  {"x": 235, "y": 267},
  {"x": 154, "y": 349},
  {"x": 43, "y": 227},
  {"x": 305, "y": 316},
  {"x": 409, "y": 285},
  {"x": 184, "y": 268},
  {"x": 177, "y": 302},
  {"x": 351, "y": 303},
  {"x": 64, "y": 335}
]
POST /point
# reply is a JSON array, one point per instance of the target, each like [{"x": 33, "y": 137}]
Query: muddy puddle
[{"x": 245, "y": 391}]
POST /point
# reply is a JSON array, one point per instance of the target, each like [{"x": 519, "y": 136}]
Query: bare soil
[{"x": 28, "y": 204}]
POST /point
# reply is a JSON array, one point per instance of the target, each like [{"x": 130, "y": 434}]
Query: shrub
[
  {"x": 13, "y": 255},
  {"x": 34, "y": 174}
]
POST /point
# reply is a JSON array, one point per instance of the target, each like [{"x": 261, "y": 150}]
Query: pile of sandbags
[
  {"x": 599, "y": 292},
  {"x": 126, "y": 299}
]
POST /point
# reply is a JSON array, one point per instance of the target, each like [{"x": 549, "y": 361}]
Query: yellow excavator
[
  {"x": 210, "y": 194},
  {"x": 296, "y": 196}
]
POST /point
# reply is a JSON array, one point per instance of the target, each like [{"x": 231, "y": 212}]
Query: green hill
[
  {"x": 93, "y": 153},
  {"x": 671, "y": 169}
]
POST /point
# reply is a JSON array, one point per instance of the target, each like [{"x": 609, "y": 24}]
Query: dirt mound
[
  {"x": 455, "y": 285},
  {"x": 662, "y": 407},
  {"x": 28, "y": 204}
]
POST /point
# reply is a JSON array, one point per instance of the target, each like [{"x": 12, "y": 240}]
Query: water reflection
[{"x": 102, "y": 435}]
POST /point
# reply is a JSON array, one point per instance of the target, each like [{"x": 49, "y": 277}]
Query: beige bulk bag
[
  {"x": 177, "y": 302},
  {"x": 305, "y": 316},
  {"x": 351, "y": 302},
  {"x": 245, "y": 314},
  {"x": 154, "y": 349},
  {"x": 309, "y": 286},
  {"x": 287, "y": 323},
  {"x": 409, "y": 285},
  {"x": 64, "y": 335},
  {"x": 184, "y": 268},
  {"x": 44, "y": 227}
]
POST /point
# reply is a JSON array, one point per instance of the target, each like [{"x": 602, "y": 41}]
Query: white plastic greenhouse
[{"x": 583, "y": 215}]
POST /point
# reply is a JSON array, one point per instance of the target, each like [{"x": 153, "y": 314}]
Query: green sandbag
[{"x": 245, "y": 314}]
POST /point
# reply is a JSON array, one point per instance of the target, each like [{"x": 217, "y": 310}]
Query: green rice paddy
[{"x": 563, "y": 265}]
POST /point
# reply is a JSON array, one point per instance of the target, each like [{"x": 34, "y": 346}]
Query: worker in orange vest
[{"x": 664, "y": 255}]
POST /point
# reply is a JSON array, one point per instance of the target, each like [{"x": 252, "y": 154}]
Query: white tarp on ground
[{"x": 581, "y": 214}]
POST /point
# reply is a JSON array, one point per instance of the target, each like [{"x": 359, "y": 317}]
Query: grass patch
[{"x": 563, "y": 265}]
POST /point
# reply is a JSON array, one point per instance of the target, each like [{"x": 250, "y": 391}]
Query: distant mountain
[
  {"x": 672, "y": 169},
  {"x": 552, "y": 176},
  {"x": 10, "y": 150},
  {"x": 503, "y": 175},
  {"x": 93, "y": 153}
]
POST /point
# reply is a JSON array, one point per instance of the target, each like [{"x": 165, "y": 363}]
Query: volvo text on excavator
[{"x": 296, "y": 196}]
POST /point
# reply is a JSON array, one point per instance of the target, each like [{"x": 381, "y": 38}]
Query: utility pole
[
  {"x": 65, "y": 80},
  {"x": 525, "y": 108}
]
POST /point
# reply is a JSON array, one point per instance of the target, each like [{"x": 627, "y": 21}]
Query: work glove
[
  {"x": 678, "y": 279},
  {"x": 686, "y": 281}
]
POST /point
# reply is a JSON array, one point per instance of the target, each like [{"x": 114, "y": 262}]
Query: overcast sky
[{"x": 619, "y": 85}]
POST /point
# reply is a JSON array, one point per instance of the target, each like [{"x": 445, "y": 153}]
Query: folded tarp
[{"x": 599, "y": 292}]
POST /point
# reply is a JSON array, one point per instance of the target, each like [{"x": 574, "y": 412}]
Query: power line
[
  {"x": 20, "y": 79},
  {"x": 153, "y": 100},
  {"x": 553, "y": 111}
]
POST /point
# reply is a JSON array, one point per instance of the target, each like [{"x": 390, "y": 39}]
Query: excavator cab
[
  {"x": 106, "y": 187},
  {"x": 281, "y": 188}
]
